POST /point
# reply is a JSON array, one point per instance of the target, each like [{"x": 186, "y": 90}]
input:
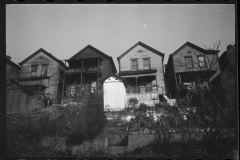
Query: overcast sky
[{"x": 63, "y": 30}]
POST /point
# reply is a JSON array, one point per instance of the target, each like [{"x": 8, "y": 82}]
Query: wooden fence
[{"x": 19, "y": 101}]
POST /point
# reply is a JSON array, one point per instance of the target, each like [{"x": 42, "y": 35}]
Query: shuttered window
[{"x": 33, "y": 71}]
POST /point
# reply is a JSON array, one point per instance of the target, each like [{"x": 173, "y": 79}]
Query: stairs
[{"x": 171, "y": 102}]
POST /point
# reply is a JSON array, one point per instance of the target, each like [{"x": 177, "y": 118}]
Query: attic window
[
  {"x": 189, "y": 52},
  {"x": 139, "y": 51}
]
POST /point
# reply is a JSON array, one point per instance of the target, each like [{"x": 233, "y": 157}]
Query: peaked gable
[
  {"x": 46, "y": 53},
  {"x": 91, "y": 52},
  {"x": 12, "y": 64},
  {"x": 16, "y": 85},
  {"x": 143, "y": 45},
  {"x": 196, "y": 48},
  {"x": 113, "y": 75},
  {"x": 86, "y": 50}
]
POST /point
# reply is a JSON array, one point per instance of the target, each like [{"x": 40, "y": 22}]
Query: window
[
  {"x": 44, "y": 69},
  {"x": 201, "y": 61},
  {"x": 189, "y": 62},
  {"x": 146, "y": 63},
  {"x": 134, "y": 64},
  {"x": 33, "y": 70}
]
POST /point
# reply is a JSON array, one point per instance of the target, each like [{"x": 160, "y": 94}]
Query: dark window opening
[
  {"x": 44, "y": 69},
  {"x": 189, "y": 62}
]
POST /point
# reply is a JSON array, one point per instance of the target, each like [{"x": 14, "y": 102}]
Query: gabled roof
[
  {"x": 21, "y": 86},
  {"x": 113, "y": 75},
  {"x": 195, "y": 47},
  {"x": 145, "y": 46},
  {"x": 97, "y": 51},
  {"x": 12, "y": 63},
  {"x": 45, "y": 52}
]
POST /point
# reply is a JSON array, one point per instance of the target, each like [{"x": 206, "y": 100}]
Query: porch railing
[
  {"x": 77, "y": 70},
  {"x": 143, "y": 89}
]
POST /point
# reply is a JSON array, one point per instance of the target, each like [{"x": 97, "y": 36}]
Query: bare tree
[{"x": 200, "y": 91}]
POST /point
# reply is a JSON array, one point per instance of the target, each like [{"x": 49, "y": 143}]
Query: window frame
[
  {"x": 42, "y": 69},
  {"x": 31, "y": 73},
  {"x": 185, "y": 57},
  {"x": 199, "y": 62},
  {"x": 132, "y": 60},
  {"x": 147, "y": 58}
]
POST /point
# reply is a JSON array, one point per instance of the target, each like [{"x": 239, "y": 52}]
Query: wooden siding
[
  {"x": 156, "y": 62},
  {"x": 74, "y": 79},
  {"x": 179, "y": 60},
  {"x": 18, "y": 101},
  {"x": 53, "y": 68},
  {"x": 11, "y": 73}
]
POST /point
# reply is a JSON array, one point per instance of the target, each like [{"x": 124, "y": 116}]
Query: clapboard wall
[
  {"x": 139, "y": 53},
  {"x": 179, "y": 60},
  {"x": 53, "y": 71}
]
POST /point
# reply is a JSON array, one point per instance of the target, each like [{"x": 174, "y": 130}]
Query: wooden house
[
  {"x": 228, "y": 73},
  {"x": 190, "y": 66},
  {"x": 142, "y": 68},
  {"x": 12, "y": 70},
  {"x": 86, "y": 68},
  {"x": 21, "y": 99},
  {"x": 44, "y": 74}
]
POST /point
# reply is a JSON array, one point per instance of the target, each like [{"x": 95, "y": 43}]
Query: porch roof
[{"x": 139, "y": 73}]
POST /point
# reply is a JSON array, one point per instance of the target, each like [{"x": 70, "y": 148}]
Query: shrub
[
  {"x": 91, "y": 124},
  {"x": 133, "y": 102},
  {"x": 143, "y": 107}
]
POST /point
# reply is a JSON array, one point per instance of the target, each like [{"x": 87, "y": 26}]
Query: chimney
[{"x": 8, "y": 57}]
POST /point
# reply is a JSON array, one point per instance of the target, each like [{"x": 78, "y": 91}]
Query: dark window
[
  {"x": 146, "y": 63},
  {"x": 33, "y": 70},
  {"x": 44, "y": 69},
  {"x": 189, "y": 62},
  {"x": 134, "y": 64},
  {"x": 201, "y": 61}
]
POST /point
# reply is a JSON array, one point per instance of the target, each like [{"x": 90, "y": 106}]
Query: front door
[{"x": 87, "y": 88}]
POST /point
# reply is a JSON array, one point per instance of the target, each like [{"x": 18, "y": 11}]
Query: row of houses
[{"x": 142, "y": 75}]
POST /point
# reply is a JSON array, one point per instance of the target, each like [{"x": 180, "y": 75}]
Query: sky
[{"x": 63, "y": 30}]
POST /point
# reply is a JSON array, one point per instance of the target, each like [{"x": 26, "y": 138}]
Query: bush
[
  {"x": 133, "y": 102},
  {"x": 90, "y": 124},
  {"x": 143, "y": 107}
]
